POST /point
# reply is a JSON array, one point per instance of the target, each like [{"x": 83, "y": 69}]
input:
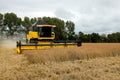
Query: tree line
[
  {"x": 11, "y": 24},
  {"x": 97, "y": 38}
]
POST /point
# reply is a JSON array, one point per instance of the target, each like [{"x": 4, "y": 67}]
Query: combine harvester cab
[{"x": 42, "y": 36}]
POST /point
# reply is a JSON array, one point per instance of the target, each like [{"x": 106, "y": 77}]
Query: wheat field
[
  {"x": 87, "y": 51},
  {"x": 92, "y": 61}
]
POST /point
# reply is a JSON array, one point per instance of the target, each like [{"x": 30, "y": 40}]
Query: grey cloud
[
  {"x": 101, "y": 17},
  {"x": 103, "y": 25},
  {"x": 62, "y": 13},
  {"x": 27, "y": 5}
]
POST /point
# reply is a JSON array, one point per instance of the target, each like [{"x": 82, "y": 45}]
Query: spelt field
[{"x": 92, "y": 61}]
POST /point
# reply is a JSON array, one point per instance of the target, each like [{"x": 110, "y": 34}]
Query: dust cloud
[{"x": 8, "y": 43}]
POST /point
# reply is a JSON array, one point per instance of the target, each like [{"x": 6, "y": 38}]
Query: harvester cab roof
[{"x": 44, "y": 25}]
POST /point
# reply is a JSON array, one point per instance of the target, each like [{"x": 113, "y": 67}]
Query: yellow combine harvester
[{"x": 42, "y": 36}]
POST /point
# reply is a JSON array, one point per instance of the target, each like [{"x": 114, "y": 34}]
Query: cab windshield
[{"x": 45, "y": 31}]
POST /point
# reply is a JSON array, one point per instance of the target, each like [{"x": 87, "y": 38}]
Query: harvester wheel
[{"x": 79, "y": 43}]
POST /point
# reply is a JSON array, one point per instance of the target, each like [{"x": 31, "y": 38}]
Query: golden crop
[
  {"x": 87, "y": 51},
  {"x": 92, "y": 61}
]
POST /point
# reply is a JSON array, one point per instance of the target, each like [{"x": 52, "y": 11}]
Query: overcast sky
[{"x": 101, "y": 16}]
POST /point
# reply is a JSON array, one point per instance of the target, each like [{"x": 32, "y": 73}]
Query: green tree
[
  {"x": 33, "y": 20},
  {"x": 1, "y": 23},
  {"x": 103, "y": 38},
  {"x": 95, "y": 37},
  {"x": 18, "y": 24},
  {"x": 81, "y": 36},
  {"x": 114, "y": 37},
  {"x": 87, "y": 38},
  {"x": 70, "y": 29},
  {"x": 26, "y": 23},
  {"x": 60, "y": 28},
  {"x": 118, "y": 36},
  {"x": 10, "y": 20},
  {"x": 19, "y": 21},
  {"x": 1, "y": 19}
]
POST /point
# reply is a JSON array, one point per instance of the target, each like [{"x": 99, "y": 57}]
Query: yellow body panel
[{"x": 33, "y": 34}]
